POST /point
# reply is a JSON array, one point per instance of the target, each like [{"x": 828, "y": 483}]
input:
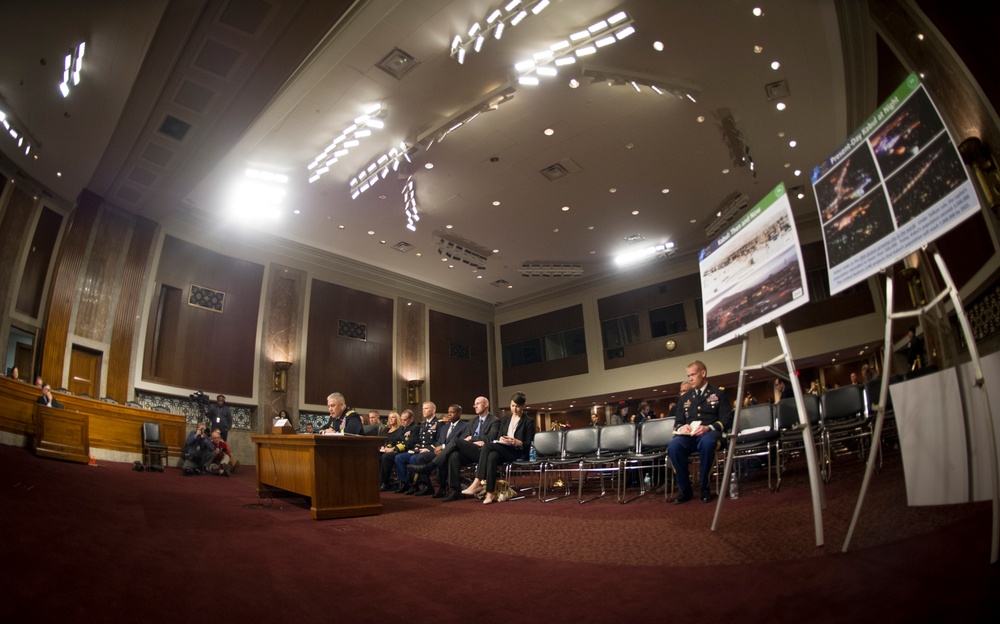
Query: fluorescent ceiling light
[
  {"x": 566, "y": 60},
  {"x": 528, "y": 80},
  {"x": 493, "y": 16},
  {"x": 624, "y": 32},
  {"x": 547, "y": 71},
  {"x": 601, "y": 25},
  {"x": 538, "y": 8},
  {"x": 587, "y": 51},
  {"x": 510, "y": 5},
  {"x": 617, "y": 17},
  {"x": 517, "y": 18},
  {"x": 606, "y": 41},
  {"x": 499, "y": 30},
  {"x": 583, "y": 34}
]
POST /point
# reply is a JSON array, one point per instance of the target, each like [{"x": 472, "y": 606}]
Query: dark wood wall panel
[
  {"x": 13, "y": 231},
  {"x": 127, "y": 311},
  {"x": 462, "y": 375},
  {"x": 538, "y": 327},
  {"x": 36, "y": 267},
  {"x": 360, "y": 369},
  {"x": 213, "y": 351},
  {"x": 97, "y": 292},
  {"x": 62, "y": 292}
]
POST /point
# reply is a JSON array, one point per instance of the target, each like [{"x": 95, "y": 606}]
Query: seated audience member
[
  {"x": 704, "y": 414},
  {"x": 453, "y": 429},
  {"x": 645, "y": 413},
  {"x": 783, "y": 390},
  {"x": 814, "y": 387},
  {"x": 222, "y": 457},
  {"x": 310, "y": 428},
  {"x": 425, "y": 444},
  {"x": 516, "y": 433},
  {"x": 342, "y": 418},
  {"x": 38, "y": 382},
  {"x": 462, "y": 451},
  {"x": 595, "y": 420},
  {"x": 855, "y": 380},
  {"x": 47, "y": 399},
  {"x": 914, "y": 349},
  {"x": 375, "y": 426},
  {"x": 15, "y": 375},
  {"x": 198, "y": 452},
  {"x": 684, "y": 389},
  {"x": 401, "y": 440},
  {"x": 867, "y": 374}
]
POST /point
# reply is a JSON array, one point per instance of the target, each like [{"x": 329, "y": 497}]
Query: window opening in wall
[
  {"x": 565, "y": 344},
  {"x": 667, "y": 320},
  {"x": 522, "y": 353},
  {"x": 621, "y": 331}
]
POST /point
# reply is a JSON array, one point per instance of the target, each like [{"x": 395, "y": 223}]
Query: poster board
[
  {"x": 753, "y": 272},
  {"x": 897, "y": 184}
]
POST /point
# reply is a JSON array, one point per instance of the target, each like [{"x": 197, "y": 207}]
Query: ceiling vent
[
  {"x": 550, "y": 269},
  {"x": 402, "y": 246},
  {"x": 635, "y": 238},
  {"x": 777, "y": 90},
  {"x": 174, "y": 128},
  {"x": 500, "y": 283},
  {"x": 554, "y": 172},
  {"x": 397, "y": 63},
  {"x": 461, "y": 250},
  {"x": 731, "y": 207}
]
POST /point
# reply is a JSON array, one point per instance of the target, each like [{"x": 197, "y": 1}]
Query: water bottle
[
  {"x": 645, "y": 482},
  {"x": 532, "y": 453},
  {"x": 734, "y": 485}
]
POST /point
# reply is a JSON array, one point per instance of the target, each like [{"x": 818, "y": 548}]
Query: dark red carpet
[{"x": 92, "y": 544}]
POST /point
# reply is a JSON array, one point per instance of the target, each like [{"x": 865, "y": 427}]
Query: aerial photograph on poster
[
  {"x": 754, "y": 272},
  {"x": 896, "y": 185}
]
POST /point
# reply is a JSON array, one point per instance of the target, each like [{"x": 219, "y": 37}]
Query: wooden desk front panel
[{"x": 60, "y": 434}]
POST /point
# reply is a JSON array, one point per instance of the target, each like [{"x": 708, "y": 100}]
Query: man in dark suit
[
  {"x": 375, "y": 426},
  {"x": 453, "y": 429},
  {"x": 220, "y": 417},
  {"x": 685, "y": 388},
  {"x": 47, "y": 399},
  {"x": 703, "y": 415},
  {"x": 342, "y": 419},
  {"x": 465, "y": 450},
  {"x": 411, "y": 432}
]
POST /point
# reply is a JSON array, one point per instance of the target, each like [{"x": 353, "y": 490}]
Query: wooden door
[{"x": 85, "y": 372}]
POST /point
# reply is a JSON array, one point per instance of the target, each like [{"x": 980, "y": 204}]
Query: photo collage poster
[
  {"x": 753, "y": 272},
  {"x": 895, "y": 186}
]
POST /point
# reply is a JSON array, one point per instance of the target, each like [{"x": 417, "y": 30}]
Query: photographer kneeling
[{"x": 198, "y": 452}]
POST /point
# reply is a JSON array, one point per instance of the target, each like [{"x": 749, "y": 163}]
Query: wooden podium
[{"x": 340, "y": 474}]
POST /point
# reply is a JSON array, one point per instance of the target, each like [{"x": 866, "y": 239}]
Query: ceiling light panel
[
  {"x": 496, "y": 20},
  {"x": 360, "y": 128}
]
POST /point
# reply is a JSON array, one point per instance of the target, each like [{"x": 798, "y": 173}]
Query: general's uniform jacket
[{"x": 712, "y": 408}]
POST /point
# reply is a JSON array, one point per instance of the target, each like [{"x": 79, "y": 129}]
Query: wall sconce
[
  {"x": 281, "y": 376},
  {"x": 413, "y": 391}
]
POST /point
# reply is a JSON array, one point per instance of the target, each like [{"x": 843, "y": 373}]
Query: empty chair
[
  {"x": 844, "y": 418},
  {"x": 790, "y": 432},
  {"x": 649, "y": 454},
  {"x": 756, "y": 437},
  {"x": 614, "y": 443},
  {"x": 153, "y": 447},
  {"x": 577, "y": 444},
  {"x": 548, "y": 445}
]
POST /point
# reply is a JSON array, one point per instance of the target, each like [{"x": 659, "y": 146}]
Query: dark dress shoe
[
  {"x": 410, "y": 491},
  {"x": 706, "y": 496},
  {"x": 454, "y": 495},
  {"x": 402, "y": 488},
  {"x": 384, "y": 487},
  {"x": 427, "y": 491},
  {"x": 441, "y": 493},
  {"x": 423, "y": 469},
  {"x": 682, "y": 498}
]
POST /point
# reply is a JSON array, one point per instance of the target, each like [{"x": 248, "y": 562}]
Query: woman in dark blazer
[{"x": 516, "y": 433}]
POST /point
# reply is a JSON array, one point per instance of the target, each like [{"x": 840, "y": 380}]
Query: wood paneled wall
[
  {"x": 360, "y": 369},
  {"x": 208, "y": 350},
  {"x": 36, "y": 266},
  {"x": 62, "y": 293},
  {"x": 124, "y": 328},
  {"x": 13, "y": 231},
  {"x": 459, "y": 376}
]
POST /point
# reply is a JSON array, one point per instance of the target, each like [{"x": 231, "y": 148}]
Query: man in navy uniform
[{"x": 703, "y": 415}]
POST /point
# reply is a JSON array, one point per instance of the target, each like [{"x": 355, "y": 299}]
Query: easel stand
[
  {"x": 980, "y": 385},
  {"x": 818, "y": 498}
]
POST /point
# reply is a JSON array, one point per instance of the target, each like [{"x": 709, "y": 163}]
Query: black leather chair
[{"x": 153, "y": 447}]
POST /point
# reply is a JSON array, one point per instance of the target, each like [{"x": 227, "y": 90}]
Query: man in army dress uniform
[{"x": 703, "y": 415}]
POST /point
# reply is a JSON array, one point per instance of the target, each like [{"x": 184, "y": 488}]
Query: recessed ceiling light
[
  {"x": 802, "y": 195},
  {"x": 381, "y": 196},
  {"x": 725, "y": 171},
  {"x": 58, "y": 174},
  {"x": 565, "y": 208},
  {"x": 556, "y": 230},
  {"x": 549, "y": 132},
  {"x": 479, "y": 277},
  {"x": 664, "y": 191},
  {"x": 592, "y": 252},
  {"x": 694, "y": 220},
  {"x": 775, "y": 65},
  {"x": 418, "y": 254},
  {"x": 590, "y": 227},
  {"x": 381, "y": 242},
  {"x": 629, "y": 145},
  {"x": 757, "y": 49},
  {"x": 635, "y": 212},
  {"x": 510, "y": 285},
  {"x": 780, "y": 106},
  {"x": 574, "y": 83},
  {"x": 612, "y": 190},
  {"x": 701, "y": 119},
  {"x": 792, "y": 143},
  {"x": 444, "y": 259},
  {"x": 429, "y": 166},
  {"x": 920, "y": 36},
  {"x": 339, "y": 227},
  {"x": 371, "y": 232},
  {"x": 781, "y": 134},
  {"x": 757, "y": 11},
  {"x": 451, "y": 266},
  {"x": 496, "y": 251},
  {"x": 496, "y": 203},
  {"x": 449, "y": 226},
  {"x": 658, "y": 46},
  {"x": 295, "y": 211},
  {"x": 798, "y": 172}
]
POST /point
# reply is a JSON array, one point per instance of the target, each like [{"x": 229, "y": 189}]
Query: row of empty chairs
[{"x": 610, "y": 453}]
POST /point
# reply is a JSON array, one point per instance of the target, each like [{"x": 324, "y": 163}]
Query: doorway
[{"x": 85, "y": 371}]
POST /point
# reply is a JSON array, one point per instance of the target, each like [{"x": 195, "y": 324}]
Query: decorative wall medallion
[{"x": 206, "y": 298}]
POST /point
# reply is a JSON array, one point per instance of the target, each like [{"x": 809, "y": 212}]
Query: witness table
[{"x": 340, "y": 474}]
